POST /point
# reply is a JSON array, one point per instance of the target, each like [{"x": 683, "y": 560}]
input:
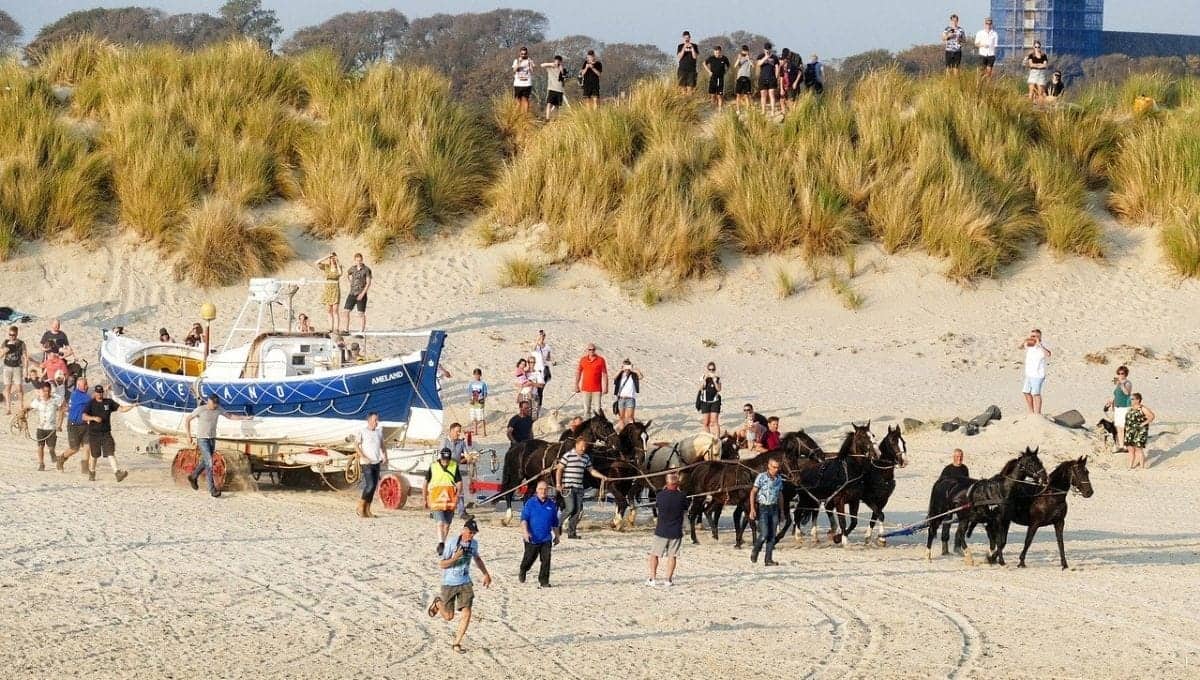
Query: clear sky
[{"x": 832, "y": 28}]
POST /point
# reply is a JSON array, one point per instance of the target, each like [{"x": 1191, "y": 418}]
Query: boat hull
[{"x": 316, "y": 410}]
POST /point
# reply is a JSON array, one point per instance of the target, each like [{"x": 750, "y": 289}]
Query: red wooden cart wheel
[
  {"x": 219, "y": 470},
  {"x": 393, "y": 491},
  {"x": 183, "y": 464}
]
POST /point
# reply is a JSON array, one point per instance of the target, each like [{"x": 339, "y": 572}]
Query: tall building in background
[{"x": 1063, "y": 26}]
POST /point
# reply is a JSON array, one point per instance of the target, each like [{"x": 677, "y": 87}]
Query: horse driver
[{"x": 956, "y": 467}]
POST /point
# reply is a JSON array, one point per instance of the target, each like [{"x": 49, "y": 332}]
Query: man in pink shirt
[{"x": 591, "y": 378}]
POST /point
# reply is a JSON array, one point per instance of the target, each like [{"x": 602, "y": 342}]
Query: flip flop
[
  {"x": 458, "y": 648},
  {"x": 434, "y": 607}
]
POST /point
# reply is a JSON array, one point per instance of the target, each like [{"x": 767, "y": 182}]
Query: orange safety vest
[{"x": 443, "y": 493}]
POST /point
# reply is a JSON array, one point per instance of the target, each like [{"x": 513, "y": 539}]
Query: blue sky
[{"x": 831, "y": 28}]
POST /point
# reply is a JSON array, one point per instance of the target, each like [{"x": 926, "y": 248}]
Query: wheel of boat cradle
[
  {"x": 219, "y": 470},
  {"x": 393, "y": 491},
  {"x": 183, "y": 464}
]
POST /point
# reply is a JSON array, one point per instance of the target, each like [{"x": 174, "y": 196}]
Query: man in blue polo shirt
[
  {"x": 76, "y": 428},
  {"x": 539, "y": 524}
]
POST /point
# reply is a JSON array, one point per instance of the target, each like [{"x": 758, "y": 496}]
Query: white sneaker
[
  {"x": 669, "y": 584},
  {"x": 651, "y": 582}
]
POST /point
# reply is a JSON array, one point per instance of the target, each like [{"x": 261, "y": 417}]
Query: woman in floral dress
[
  {"x": 1137, "y": 431},
  {"x": 333, "y": 289}
]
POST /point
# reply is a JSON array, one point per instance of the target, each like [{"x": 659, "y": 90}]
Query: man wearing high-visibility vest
[{"x": 443, "y": 486}]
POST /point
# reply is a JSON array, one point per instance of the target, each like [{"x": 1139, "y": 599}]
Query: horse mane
[
  {"x": 1060, "y": 478},
  {"x": 847, "y": 445},
  {"x": 1010, "y": 467}
]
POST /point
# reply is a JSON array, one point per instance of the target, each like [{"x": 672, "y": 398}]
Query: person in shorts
[
  {"x": 626, "y": 387},
  {"x": 98, "y": 416},
  {"x": 1036, "y": 355},
  {"x": 47, "y": 408},
  {"x": 953, "y": 37},
  {"x": 477, "y": 392},
  {"x": 556, "y": 77},
  {"x": 591, "y": 379},
  {"x": 668, "y": 532},
  {"x": 443, "y": 486},
  {"x": 16, "y": 363},
  {"x": 522, "y": 68},
  {"x": 986, "y": 42},
  {"x": 77, "y": 401},
  {"x": 687, "y": 53},
  {"x": 716, "y": 66},
  {"x": 359, "y": 276},
  {"x": 458, "y": 593},
  {"x": 589, "y": 76},
  {"x": 743, "y": 87},
  {"x": 708, "y": 401}
]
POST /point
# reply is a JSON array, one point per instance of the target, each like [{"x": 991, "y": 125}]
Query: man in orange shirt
[{"x": 591, "y": 378}]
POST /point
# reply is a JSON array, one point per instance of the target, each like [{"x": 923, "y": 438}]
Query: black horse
[
  {"x": 880, "y": 479},
  {"x": 711, "y": 485},
  {"x": 535, "y": 457},
  {"x": 991, "y": 502},
  {"x": 836, "y": 483},
  {"x": 944, "y": 499},
  {"x": 1050, "y": 506}
]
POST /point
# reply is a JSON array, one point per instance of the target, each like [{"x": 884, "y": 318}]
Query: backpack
[{"x": 810, "y": 74}]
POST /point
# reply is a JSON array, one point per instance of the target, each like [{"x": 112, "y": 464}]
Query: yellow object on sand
[{"x": 1143, "y": 105}]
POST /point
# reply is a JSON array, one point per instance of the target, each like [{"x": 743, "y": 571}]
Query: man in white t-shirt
[
  {"x": 986, "y": 42},
  {"x": 1036, "y": 355},
  {"x": 371, "y": 456},
  {"x": 48, "y": 411},
  {"x": 522, "y": 68}
]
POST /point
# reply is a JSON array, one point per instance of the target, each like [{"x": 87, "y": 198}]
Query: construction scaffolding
[{"x": 1062, "y": 26}]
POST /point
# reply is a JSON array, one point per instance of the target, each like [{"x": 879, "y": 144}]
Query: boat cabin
[{"x": 271, "y": 356}]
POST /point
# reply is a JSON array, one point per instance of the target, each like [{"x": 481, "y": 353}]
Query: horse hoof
[
  {"x": 1020, "y": 565},
  {"x": 929, "y": 555},
  {"x": 882, "y": 542},
  {"x": 968, "y": 558}
]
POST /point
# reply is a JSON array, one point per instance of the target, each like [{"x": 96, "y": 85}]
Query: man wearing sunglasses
[{"x": 591, "y": 378}]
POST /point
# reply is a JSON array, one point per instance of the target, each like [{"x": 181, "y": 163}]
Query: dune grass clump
[
  {"x": 71, "y": 61},
  {"x": 1083, "y": 134},
  {"x": 521, "y": 272},
  {"x": 850, "y": 298},
  {"x": 156, "y": 172},
  {"x": 785, "y": 283},
  {"x": 220, "y": 246},
  {"x": 1071, "y": 231},
  {"x": 514, "y": 126},
  {"x": 1180, "y": 238},
  {"x": 1157, "y": 169},
  {"x": 52, "y": 182}
]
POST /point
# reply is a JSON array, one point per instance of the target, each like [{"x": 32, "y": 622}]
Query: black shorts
[
  {"x": 75, "y": 436},
  {"x": 953, "y": 58},
  {"x": 987, "y": 62},
  {"x": 765, "y": 84},
  {"x": 352, "y": 302},
  {"x": 47, "y": 438},
  {"x": 553, "y": 98},
  {"x": 102, "y": 444},
  {"x": 591, "y": 89},
  {"x": 687, "y": 78},
  {"x": 743, "y": 86},
  {"x": 710, "y": 407},
  {"x": 523, "y": 92},
  {"x": 716, "y": 85}
]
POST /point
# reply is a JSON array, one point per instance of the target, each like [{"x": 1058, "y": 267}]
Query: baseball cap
[
  {"x": 445, "y": 453},
  {"x": 472, "y": 525}
]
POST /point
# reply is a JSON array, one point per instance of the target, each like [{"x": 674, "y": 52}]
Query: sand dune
[{"x": 147, "y": 579}]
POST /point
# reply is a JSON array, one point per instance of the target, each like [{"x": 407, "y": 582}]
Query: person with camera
[
  {"x": 458, "y": 592},
  {"x": 589, "y": 78},
  {"x": 556, "y": 75},
  {"x": 626, "y": 387},
  {"x": 743, "y": 86},
  {"x": 708, "y": 401},
  {"x": 687, "y": 53},
  {"x": 1120, "y": 403},
  {"x": 953, "y": 37},
  {"x": 1036, "y": 355},
  {"x": 768, "y": 77},
  {"x": 716, "y": 66},
  {"x": 16, "y": 363},
  {"x": 332, "y": 294},
  {"x": 522, "y": 68}
]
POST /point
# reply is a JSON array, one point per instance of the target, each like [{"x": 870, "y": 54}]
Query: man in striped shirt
[{"x": 570, "y": 471}]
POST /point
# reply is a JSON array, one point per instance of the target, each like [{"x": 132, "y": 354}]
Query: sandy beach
[{"x": 146, "y": 579}]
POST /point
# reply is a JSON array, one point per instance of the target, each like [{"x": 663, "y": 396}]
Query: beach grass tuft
[
  {"x": 521, "y": 272},
  {"x": 220, "y": 246}
]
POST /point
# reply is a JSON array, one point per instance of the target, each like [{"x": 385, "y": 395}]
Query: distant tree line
[{"x": 475, "y": 50}]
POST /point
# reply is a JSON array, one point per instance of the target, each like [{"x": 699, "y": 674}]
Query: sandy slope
[{"x": 149, "y": 580}]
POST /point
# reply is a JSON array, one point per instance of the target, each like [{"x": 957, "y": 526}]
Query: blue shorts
[
  {"x": 443, "y": 516},
  {"x": 1033, "y": 385},
  {"x": 625, "y": 403}
]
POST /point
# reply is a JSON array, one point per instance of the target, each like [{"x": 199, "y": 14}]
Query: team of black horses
[{"x": 861, "y": 472}]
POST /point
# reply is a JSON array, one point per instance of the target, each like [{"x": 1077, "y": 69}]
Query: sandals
[
  {"x": 458, "y": 648},
  {"x": 434, "y": 607}
]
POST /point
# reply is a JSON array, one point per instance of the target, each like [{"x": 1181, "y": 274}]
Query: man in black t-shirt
[
  {"x": 57, "y": 339},
  {"x": 716, "y": 65},
  {"x": 589, "y": 75},
  {"x": 16, "y": 364},
  {"x": 98, "y": 417},
  {"x": 671, "y": 505},
  {"x": 520, "y": 426},
  {"x": 687, "y": 54}
]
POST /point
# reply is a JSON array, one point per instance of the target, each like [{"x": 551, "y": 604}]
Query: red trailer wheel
[
  {"x": 393, "y": 491},
  {"x": 219, "y": 470},
  {"x": 183, "y": 464}
]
